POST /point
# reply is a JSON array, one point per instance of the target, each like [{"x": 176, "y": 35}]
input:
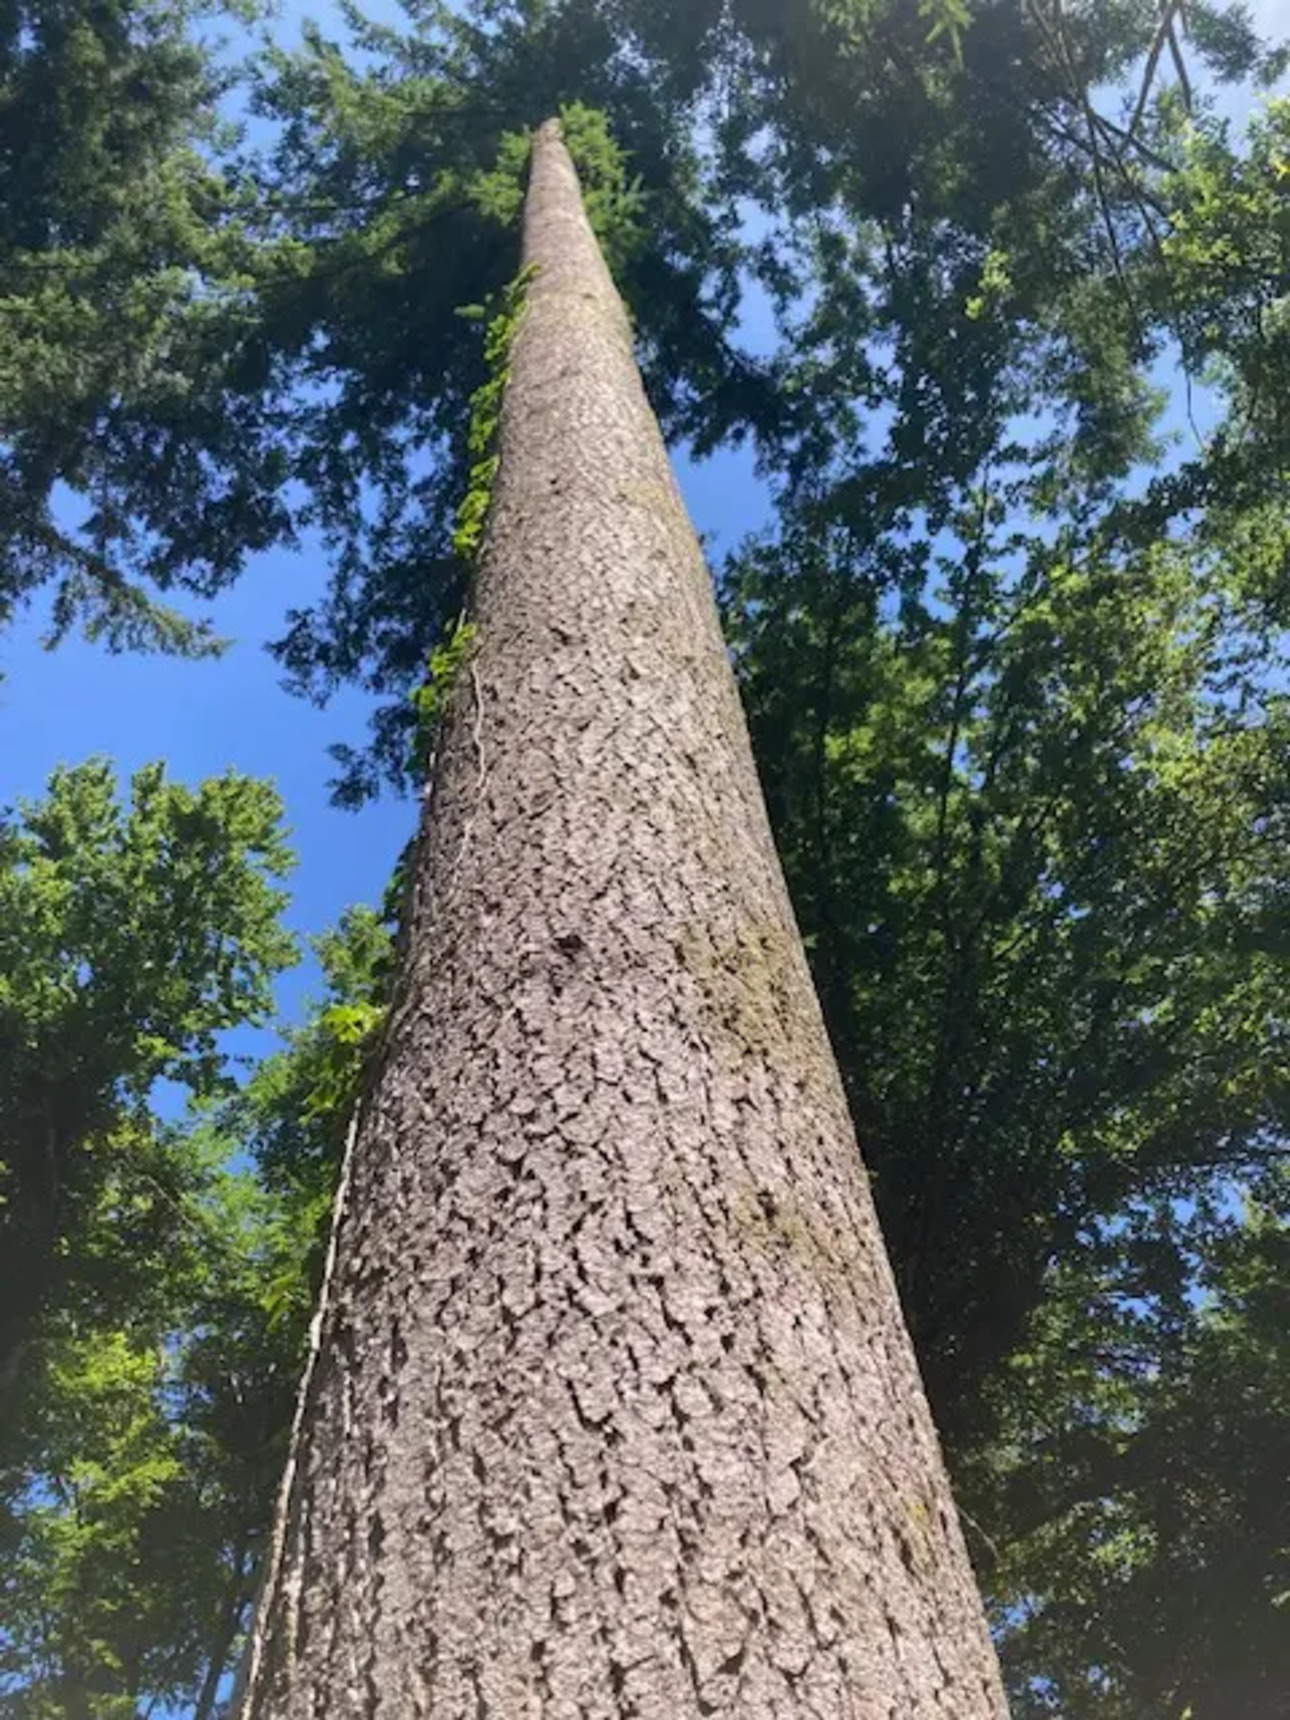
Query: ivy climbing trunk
[{"x": 613, "y": 1411}]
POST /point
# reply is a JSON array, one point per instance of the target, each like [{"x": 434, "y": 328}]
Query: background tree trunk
[{"x": 614, "y": 1412}]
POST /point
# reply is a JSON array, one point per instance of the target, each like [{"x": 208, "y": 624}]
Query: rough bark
[{"x": 614, "y": 1412}]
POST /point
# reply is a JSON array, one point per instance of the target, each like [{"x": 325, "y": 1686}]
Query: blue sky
[{"x": 59, "y": 707}]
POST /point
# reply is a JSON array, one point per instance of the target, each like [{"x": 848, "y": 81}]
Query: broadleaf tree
[
  {"x": 130, "y": 937},
  {"x": 136, "y": 932}
]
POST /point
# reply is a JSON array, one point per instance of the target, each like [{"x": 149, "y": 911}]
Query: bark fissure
[{"x": 613, "y": 1412}]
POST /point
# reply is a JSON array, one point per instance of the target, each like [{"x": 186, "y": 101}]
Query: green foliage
[
  {"x": 1014, "y": 660},
  {"x": 499, "y": 194},
  {"x": 1144, "y": 1520},
  {"x": 398, "y": 182},
  {"x": 431, "y": 700},
  {"x": 502, "y": 318},
  {"x": 946, "y": 19},
  {"x": 1017, "y": 671},
  {"x": 130, "y": 937},
  {"x": 134, "y": 1505},
  {"x": 137, "y": 1487},
  {"x": 293, "y": 1115},
  {"x": 114, "y": 1469},
  {"x": 615, "y": 204},
  {"x": 123, "y": 266},
  {"x": 1029, "y": 782},
  {"x": 1228, "y": 251}
]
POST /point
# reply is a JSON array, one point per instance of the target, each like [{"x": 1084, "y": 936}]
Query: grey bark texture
[{"x": 614, "y": 1412}]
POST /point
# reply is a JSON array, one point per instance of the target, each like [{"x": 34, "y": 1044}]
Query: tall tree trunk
[
  {"x": 223, "y": 1636},
  {"x": 613, "y": 1411}
]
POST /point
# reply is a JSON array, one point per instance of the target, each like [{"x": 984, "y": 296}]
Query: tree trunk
[
  {"x": 613, "y": 1412},
  {"x": 223, "y": 1636}
]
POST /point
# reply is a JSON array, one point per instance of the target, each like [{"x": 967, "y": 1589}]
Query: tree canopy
[{"x": 999, "y": 299}]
